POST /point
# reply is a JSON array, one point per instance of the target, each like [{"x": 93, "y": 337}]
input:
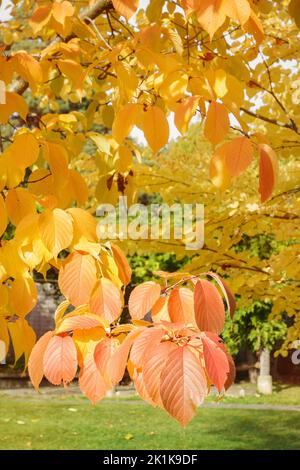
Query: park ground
[{"x": 56, "y": 419}]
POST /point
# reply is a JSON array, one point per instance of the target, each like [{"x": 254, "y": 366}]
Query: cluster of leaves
[
  {"x": 193, "y": 58},
  {"x": 173, "y": 360}
]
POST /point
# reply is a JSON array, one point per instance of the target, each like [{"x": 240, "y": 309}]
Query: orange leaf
[
  {"x": 154, "y": 364},
  {"x": 77, "y": 278},
  {"x": 60, "y": 360},
  {"x": 181, "y": 306},
  {"x": 142, "y": 299},
  {"x": 268, "y": 169},
  {"x": 216, "y": 123},
  {"x": 238, "y": 155},
  {"x": 182, "y": 385},
  {"x": 125, "y": 8},
  {"x": 148, "y": 339},
  {"x": 106, "y": 300},
  {"x": 209, "y": 308},
  {"x": 91, "y": 382},
  {"x": 216, "y": 362},
  {"x": 79, "y": 322},
  {"x": 124, "y": 270},
  {"x": 14, "y": 103},
  {"x": 117, "y": 363},
  {"x": 229, "y": 297},
  {"x": 35, "y": 363}
]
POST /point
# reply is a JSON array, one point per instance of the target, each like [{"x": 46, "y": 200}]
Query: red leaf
[
  {"x": 268, "y": 168},
  {"x": 209, "y": 308},
  {"x": 229, "y": 297},
  {"x": 142, "y": 299},
  {"x": 216, "y": 362},
  {"x": 183, "y": 384},
  {"x": 60, "y": 360}
]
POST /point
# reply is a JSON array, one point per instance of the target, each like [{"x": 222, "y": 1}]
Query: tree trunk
[{"x": 264, "y": 381}]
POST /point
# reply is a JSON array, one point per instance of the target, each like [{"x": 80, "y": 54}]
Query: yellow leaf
[
  {"x": 124, "y": 121},
  {"x": 14, "y": 103},
  {"x": 25, "y": 149},
  {"x": 19, "y": 203},
  {"x": 23, "y": 339},
  {"x": 56, "y": 230},
  {"x": 155, "y": 127},
  {"x": 3, "y": 216},
  {"x": 23, "y": 295},
  {"x": 218, "y": 171},
  {"x": 211, "y": 15},
  {"x": 73, "y": 71},
  {"x": 217, "y": 123},
  {"x": 60, "y": 11},
  {"x": 28, "y": 68},
  {"x": 4, "y": 339},
  {"x": 254, "y": 26},
  {"x": 184, "y": 113},
  {"x": 78, "y": 187},
  {"x": 174, "y": 86},
  {"x": 238, "y": 10}
]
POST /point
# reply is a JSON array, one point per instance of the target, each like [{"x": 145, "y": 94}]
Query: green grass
[{"x": 70, "y": 422}]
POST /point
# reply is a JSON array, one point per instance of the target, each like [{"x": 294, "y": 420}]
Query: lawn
[{"x": 70, "y": 422}]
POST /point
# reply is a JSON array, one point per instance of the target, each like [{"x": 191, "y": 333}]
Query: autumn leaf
[
  {"x": 268, "y": 169},
  {"x": 182, "y": 384},
  {"x": 155, "y": 127},
  {"x": 209, "y": 308},
  {"x": 124, "y": 121},
  {"x": 60, "y": 360},
  {"x": 142, "y": 299},
  {"x": 77, "y": 278},
  {"x": 56, "y": 230},
  {"x": 181, "y": 306},
  {"x": 14, "y": 103},
  {"x": 125, "y": 8},
  {"x": 238, "y": 155},
  {"x": 184, "y": 113},
  {"x": 106, "y": 300},
  {"x": 3, "y": 216},
  {"x": 154, "y": 365},
  {"x": 216, "y": 124},
  {"x": 91, "y": 381},
  {"x": 35, "y": 363},
  {"x": 216, "y": 362}
]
